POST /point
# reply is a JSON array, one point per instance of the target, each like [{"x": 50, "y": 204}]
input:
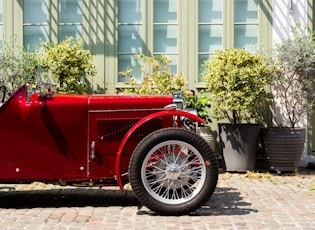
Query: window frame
[
  {"x": 136, "y": 24},
  {"x": 63, "y": 24},
  {"x": 187, "y": 34},
  {"x": 1, "y": 25},
  {"x": 147, "y": 25},
  {"x": 100, "y": 35},
  {"x": 53, "y": 24}
]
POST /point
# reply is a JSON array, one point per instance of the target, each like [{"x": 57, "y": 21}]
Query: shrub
[
  {"x": 159, "y": 80},
  {"x": 294, "y": 82},
  {"x": 237, "y": 81},
  {"x": 17, "y": 66},
  {"x": 69, "y": 64},
  {"x": 201, "y": 103}
]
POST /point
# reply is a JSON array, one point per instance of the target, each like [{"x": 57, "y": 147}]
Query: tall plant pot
[
  {"x": 283, "y": 147},
  {"x": 239, "y": 144},
  {"x": 205, "y": 132}
]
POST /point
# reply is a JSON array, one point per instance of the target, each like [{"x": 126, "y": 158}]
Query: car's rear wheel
[{"x": 173, "y": 171}]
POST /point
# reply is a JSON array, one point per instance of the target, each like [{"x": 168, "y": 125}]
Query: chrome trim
[
  {"x": 93, "y": 150},
  {"x": 88, "y": 140},
  {"x": 178, "y": 100},
  {"x": 124, "y": 110},
  {"x": 29, "y": 93},
  {"x": 171, "y": 106}
]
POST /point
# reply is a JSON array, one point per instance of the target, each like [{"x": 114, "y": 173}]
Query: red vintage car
[{"x": 99, "y": 140}]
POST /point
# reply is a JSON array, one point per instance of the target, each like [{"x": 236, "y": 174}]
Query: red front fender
[{"x": 137, "y": 125}]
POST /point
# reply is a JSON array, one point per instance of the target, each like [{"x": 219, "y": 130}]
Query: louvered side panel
[{"x": 114, "y": 129}]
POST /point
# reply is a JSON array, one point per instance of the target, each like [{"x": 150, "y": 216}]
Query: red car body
[
  {"x": 90, "y": 140},
  {"x": 76, "y": 138}
]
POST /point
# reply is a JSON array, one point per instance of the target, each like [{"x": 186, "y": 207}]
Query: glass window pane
[
  {"x": 1, "y": 27},
  {"x": 129, "y": 36},
  {"x": 210, "y": 38},
  {"x": 245, "y": 36},
  {"x": 165, "y": 38},
  {"x": 201, "y": 60},
  {"x": 129, "y": 11},
  {"x": 128, "y": 61},
  {"x": 129, "y": 39},
  {"x": 1, "y": 10},
  {"x": 210, "y": 11},
  {"x": 246, "y": 11},
  {"x": 69, "y": 31},
  {"x": 165, "y": 11},
  {"x": 35, "y": 11},
  {"x": 34, "y": 35},
  {"x": 70, "y": 11},
  {"x": 173, "y": 65},
  {"x": 1, "y": 36}
]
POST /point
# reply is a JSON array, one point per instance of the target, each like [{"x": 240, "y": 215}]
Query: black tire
[{"x": 173, "y": 171}]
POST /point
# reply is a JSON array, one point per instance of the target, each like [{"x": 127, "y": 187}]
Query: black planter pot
[
  {"x": 239, "y": 144},
  {"x": 283, "y": 147}
]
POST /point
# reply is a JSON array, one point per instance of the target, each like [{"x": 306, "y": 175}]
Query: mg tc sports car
[{"x": 100, "y": 140}]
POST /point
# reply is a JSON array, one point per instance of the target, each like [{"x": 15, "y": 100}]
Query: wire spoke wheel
[{"x": 173, "y": 171}]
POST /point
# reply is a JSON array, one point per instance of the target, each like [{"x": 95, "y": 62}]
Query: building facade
[{"x": 189, "y": 31}]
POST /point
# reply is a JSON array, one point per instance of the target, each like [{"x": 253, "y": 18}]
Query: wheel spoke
[
  {"x": 154, "y": 181},
  {"x": 159, "y": 188},
  {"x": 184, "y": 191},
  {"x": 175, "y": 195},
  {"x": 165, "y": 194},
  {"x": 157, "y": 169},
  {"x": 190, "y": 163}
]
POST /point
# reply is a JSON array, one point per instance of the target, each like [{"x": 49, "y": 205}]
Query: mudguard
[{"x": 168, "y": 112}]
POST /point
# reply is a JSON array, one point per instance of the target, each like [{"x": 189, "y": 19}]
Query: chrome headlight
[{"x": 178, "y": 100}]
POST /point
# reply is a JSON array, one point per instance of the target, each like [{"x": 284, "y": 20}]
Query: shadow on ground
[
  {"x": 67, "y": 197},
  {"x": 225, "y": 201}
]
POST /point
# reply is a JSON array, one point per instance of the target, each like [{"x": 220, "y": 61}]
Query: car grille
[{"x": 114, "y": 129}]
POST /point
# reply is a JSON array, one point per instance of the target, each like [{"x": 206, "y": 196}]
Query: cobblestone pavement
[{"x": 241, "y": 201}]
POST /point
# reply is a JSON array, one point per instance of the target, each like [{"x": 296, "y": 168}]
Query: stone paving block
[{"x": 241, "y": 201}]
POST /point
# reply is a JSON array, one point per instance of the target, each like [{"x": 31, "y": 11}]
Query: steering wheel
[{"x": 3, "y": 91}]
